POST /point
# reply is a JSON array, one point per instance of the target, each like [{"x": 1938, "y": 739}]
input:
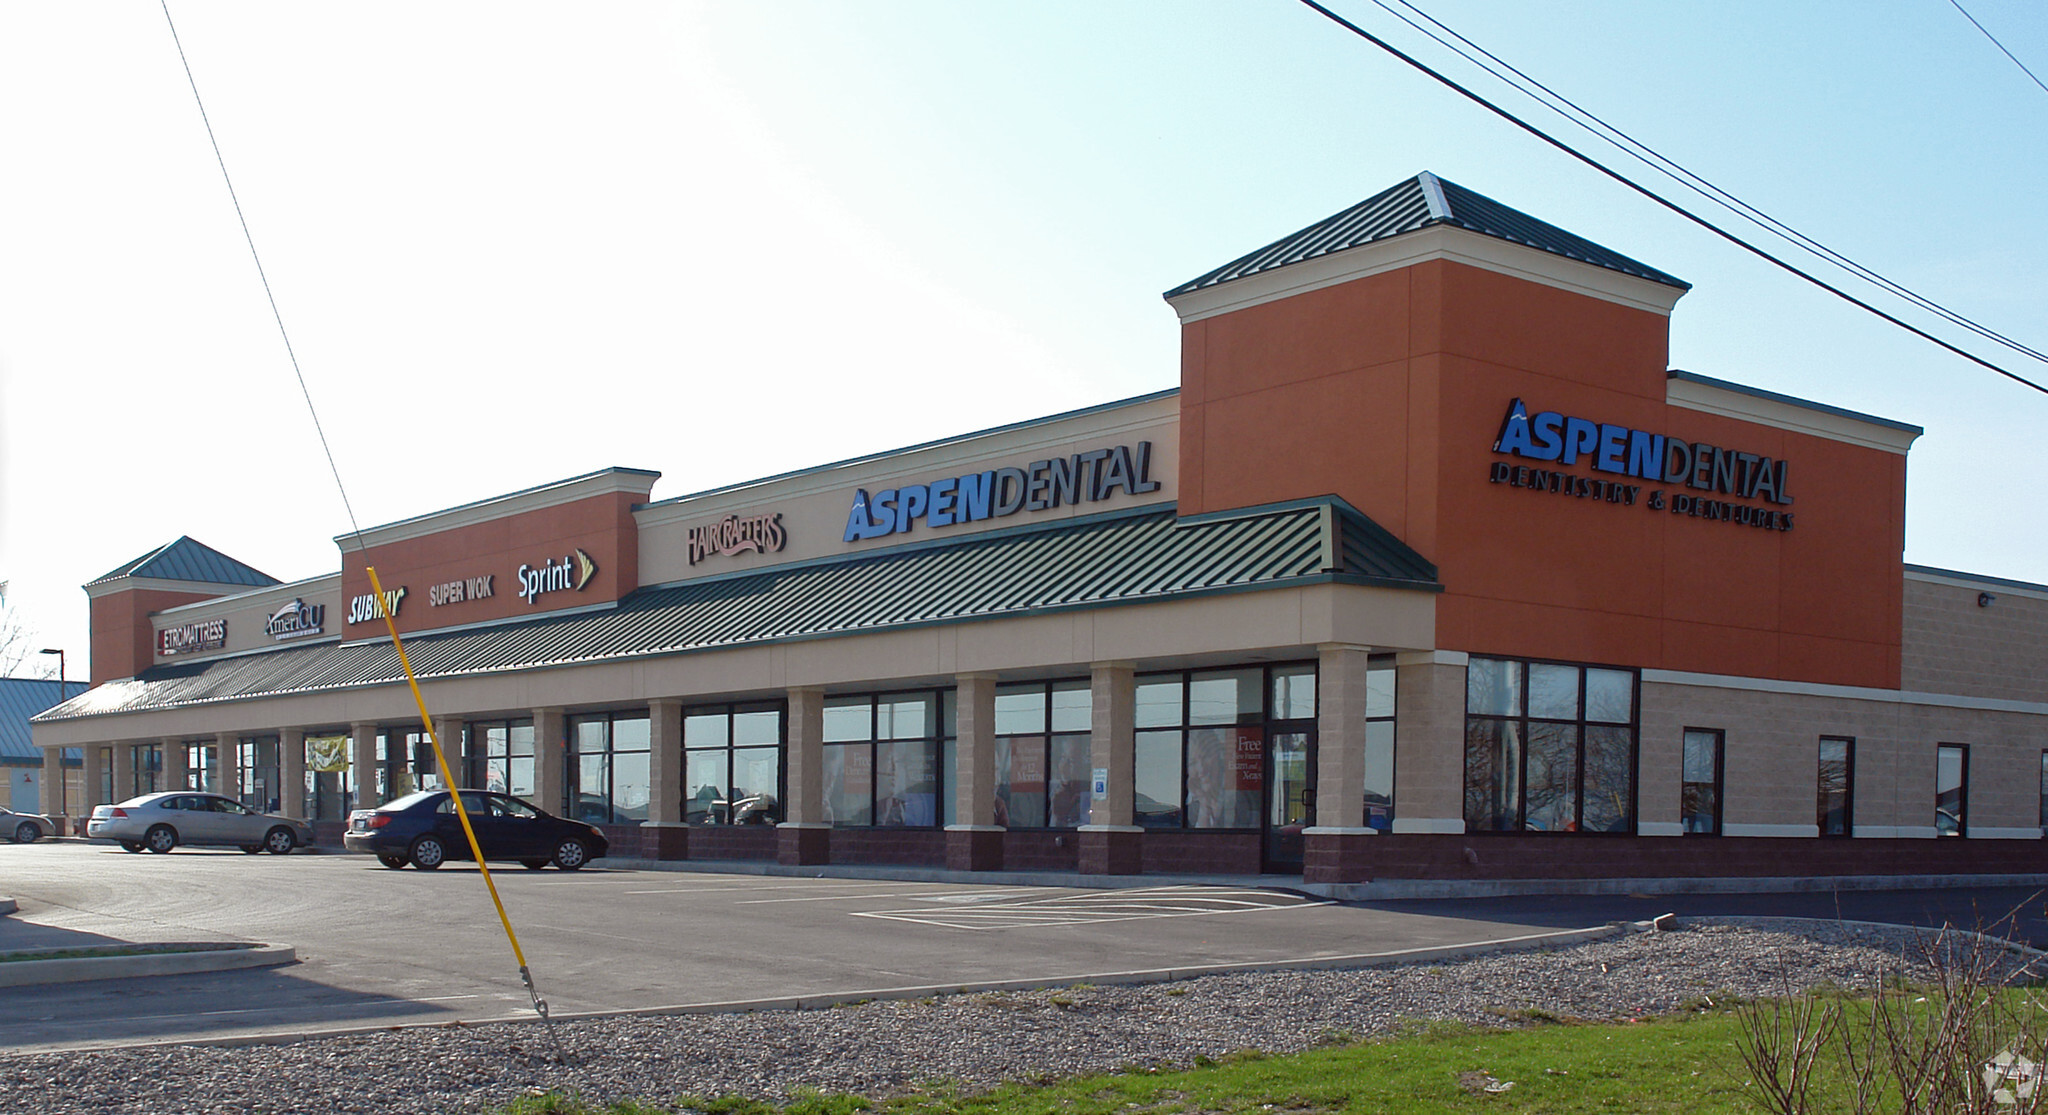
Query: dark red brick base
[
  {"x": 1358, "y": 859},
  {"x": 802, "y": 847},
  {"x": 1112, "y": 853},
  {"x": 733, "y": 842},
  {"x": 908, "y": 847},
  {"x": 665, "y": 843},
  {"x": 974, "y": 851},
  {"x": 1038, "y": 850}
]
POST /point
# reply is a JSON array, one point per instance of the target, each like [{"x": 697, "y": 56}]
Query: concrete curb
[
  {"x": 8, "y": 906},
  {"x": 77, "y": 969}
]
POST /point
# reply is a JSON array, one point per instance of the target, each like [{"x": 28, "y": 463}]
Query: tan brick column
[
  {"x": 95, "y": 789},
  {"x": 124, "y": 771},
  {"x": 1334, "y": 846},
  {"x": 975, "y": 842},
  {"x": 53, "y": 782},
  {"x": 227, "y": 762},
  {"x": 551, "y": 760},
  {"x": 1429, "y": 740},
  {"x": 1110, "y": 843},
  {"x": 362, "y": 764},
  {"x": 667, "y": 837},
  {"x": 177, "y": 765},
  {"x": 448, "y": 731},
  {"x": 804, "y": 837},
  {"x": 291, "y": 770}
]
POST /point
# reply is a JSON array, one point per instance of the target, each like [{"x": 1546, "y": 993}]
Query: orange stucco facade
[{"x": 1390, "y": 391}]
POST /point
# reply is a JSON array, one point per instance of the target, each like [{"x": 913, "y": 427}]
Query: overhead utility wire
[
  {"x": 356, "y": 530},
  {"x": 1658, "y": 198},
  {"x": 1999, "y": 45},
  {"x": 540, "y": 1005},
  {"x": 1643, "y": 153}
]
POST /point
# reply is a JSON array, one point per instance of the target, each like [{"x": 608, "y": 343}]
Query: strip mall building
[{"x": 1431, "y": 572}]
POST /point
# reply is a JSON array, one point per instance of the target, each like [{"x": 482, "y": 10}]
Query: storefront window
[
  {"x": 200, "y": 772},
  {"x": 1835, "y": 785},
  {"x": 330, "y": 783},
  {"x": 1379, "y": 747},
  {"x": 1549, "y": 747},
  {"x": 405, "y": 763},
  {"x": 609, "y": 762},
  {"x": 256, "y": 774},
  {"x": 1699, "y": 801},
  {"x": 1042, "y": 754},
  {"x": 1201, "y": 749},
  {"x": 148, "y": 761},
  {"x": 501, "y": 755},
  {"x": 881, "y": 759},
  {"x": 1951, "y": 790},
  {"x": 732, "y": 764}
]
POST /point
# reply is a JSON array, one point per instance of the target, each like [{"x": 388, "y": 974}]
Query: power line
[
  {"x": 1655, "y": 160},
  {"x": 2001, "y": 46},
  {"x": 1652, "y": 195},
  {"x": 355, "y": 529}
]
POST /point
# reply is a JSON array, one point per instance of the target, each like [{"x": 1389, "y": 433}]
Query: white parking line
[
  {"x": 1097, "y": 907},
  {"x": 938, "y": 895}
]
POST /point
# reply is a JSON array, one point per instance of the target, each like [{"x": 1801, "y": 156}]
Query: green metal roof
[
  {"x": 1413, "y": 205},
  {"x": 1132, "y": 557},
  {"x": 190, "y": 560}
]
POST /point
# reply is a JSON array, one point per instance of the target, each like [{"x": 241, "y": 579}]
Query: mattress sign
[
  {"x": 192, "y": 638},
  {"x": 1054, "y": 482},
  {"x": 1620, "y": 451}
]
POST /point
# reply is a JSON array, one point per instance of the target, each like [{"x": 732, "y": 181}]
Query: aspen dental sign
[
  {"x": 1055, "y": 482},
  {"x": 1655, "y": 459}
]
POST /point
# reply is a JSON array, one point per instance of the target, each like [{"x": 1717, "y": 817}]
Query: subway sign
[
  {"x": 1564, "y": 440},
  {"x": 1054, "y": 482}
]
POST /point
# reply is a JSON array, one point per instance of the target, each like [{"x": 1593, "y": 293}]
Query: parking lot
[{"x": 380, "y": 947}]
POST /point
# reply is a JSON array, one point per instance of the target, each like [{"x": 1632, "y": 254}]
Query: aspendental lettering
[{"x": 1086, "y": 477}]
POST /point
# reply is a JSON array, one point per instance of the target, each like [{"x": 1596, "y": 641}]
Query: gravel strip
[{"x": 974, "y": 1039}]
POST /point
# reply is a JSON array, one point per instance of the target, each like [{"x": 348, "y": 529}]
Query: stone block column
[
  {"x": 1336, "y": 845},
  {"x": 1429, "y": 741},
  {"x": 177, "y": 765},
  {"x": 291, "y": 770},
  {"x": 664, "y": 835},
  {"x": 362, "y": 765},
  {"x": 448, "y": 731},
  {"x": 95, "y": 786},
  {"x": 124, "y": 770},
  {"x": 227, "y": 761},
  {"x": 1109, "y": 843},
  {"x": 551, "y": 760},
  {"x": 975, "y": 843},
  {"x": 804, "y": 837}
]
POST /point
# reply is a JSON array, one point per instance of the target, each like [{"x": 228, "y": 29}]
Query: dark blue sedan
[{"x": 422, "y": 829}]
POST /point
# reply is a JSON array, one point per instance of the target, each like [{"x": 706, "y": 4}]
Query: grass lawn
[{"x": 1685, "y": 1063}]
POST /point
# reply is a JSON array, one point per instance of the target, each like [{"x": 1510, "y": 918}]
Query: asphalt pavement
[{"x": 378, "y": 947}]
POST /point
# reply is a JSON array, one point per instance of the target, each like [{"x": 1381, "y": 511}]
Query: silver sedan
[
  {"x": 25, "y": 828},
  {"x": 160, "y": 822}
]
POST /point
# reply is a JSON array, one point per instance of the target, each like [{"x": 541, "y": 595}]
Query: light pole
[{"x": 63, "y": 694}]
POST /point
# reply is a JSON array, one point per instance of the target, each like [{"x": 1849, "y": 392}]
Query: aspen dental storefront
[{"x": 1430, "y": 574}]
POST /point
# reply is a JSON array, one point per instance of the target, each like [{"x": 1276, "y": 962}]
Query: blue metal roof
[
  {"x": 1411, "y": 206},
  {"x": 189, "y": 560},
  {"x": 1140, "y": 556},
  {"x": 21, "y": 698}
]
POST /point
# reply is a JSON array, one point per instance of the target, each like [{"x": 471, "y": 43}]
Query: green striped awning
[{"x": 1134, "y": 557}]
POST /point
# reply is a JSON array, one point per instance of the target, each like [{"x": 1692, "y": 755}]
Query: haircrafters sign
[{"x": 1627, "y": 453}]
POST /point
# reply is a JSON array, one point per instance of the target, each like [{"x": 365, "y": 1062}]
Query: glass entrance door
[{"x": 1290, "y": 797}]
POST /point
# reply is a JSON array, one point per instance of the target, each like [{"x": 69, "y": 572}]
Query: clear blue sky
[{"x": 516, "y": 242}]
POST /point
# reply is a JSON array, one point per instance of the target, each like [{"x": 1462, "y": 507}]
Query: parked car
[
  {"x": 423, "y": 830},
  {"x": 25, "y": 828},
  {"x": 162, "y": 821}
]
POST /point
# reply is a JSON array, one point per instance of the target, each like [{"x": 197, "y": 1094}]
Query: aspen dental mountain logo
[
  {"x": 567, "y": 575},
  {"x": 1551, "y": 438}
]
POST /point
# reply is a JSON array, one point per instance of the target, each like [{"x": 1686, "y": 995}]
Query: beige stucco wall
[
  {"x": 1954, "y": 645},
  {"x": 247, "y": 612},
  {"x": 814, "y": 504}
]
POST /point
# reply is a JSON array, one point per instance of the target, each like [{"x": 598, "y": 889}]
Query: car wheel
[
  {"x": 27, "y": 832},
  {"x": 570, "y": 854},
  {"x": 393, "y": 862},
  {"x": 428, "y": 853},
  {"x": 160, "y": 839},
  {"x": 251, "y": 849},
  {"x": 130, "y": 846},
  {"x": 279, "y": 841},
  {"x": 533, "y": 864}
]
